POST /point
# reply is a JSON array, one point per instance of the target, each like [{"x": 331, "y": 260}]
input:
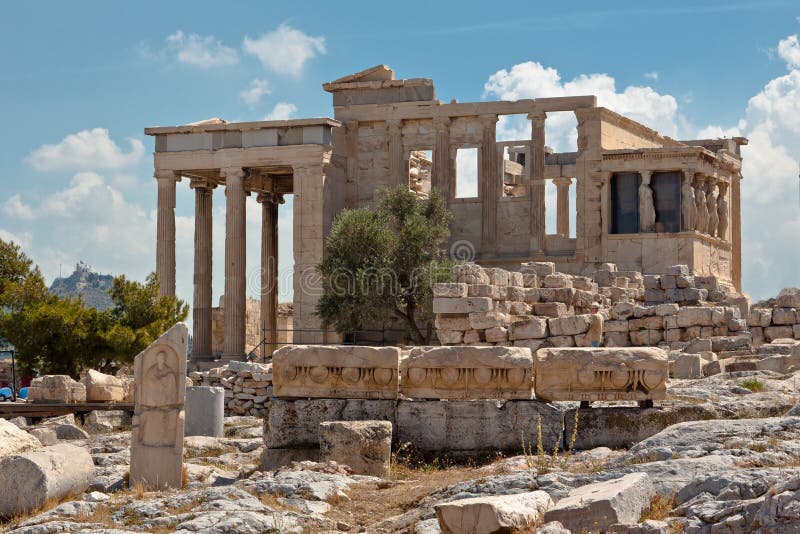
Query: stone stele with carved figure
[
  {"x": 601, "y": 374},
  {"x": 336, "y": 372},
  {"x": 158, "y": 420}
]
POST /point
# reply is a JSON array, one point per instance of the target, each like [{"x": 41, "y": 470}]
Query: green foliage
[
  {"x": 754, "y": 385},
  {"x": 382, "y": 263},
  {"x": 59, "y": 335},
  {"x": 21, "y": 283}
]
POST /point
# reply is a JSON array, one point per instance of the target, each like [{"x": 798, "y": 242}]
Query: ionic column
[
  {"x": 165, "y": 231},
  {"x": 396, "y": 174},
  {"x": 201, "y": 308},
  {"x": 562, "y": 205},
  {"x": 489, "y": 182},
  {"x": 235, "y": 262},
  {"x": 538, "y": 230},
  {"x": 442, "y": 171},
  {"x": 269, "y": 268}
]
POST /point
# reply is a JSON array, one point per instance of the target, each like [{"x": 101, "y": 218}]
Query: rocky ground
[{"x": 737, "y": 473}]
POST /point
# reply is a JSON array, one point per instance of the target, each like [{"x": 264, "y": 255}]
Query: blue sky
[{"x": 81, "y": 80}]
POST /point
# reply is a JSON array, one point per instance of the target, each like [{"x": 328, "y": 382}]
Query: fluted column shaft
[
  {"x": 398, "y": 175},
  {"x": 235, "y": 263},
  {"x": 165, "y": 232},
  {"x": 489, "y": 182},
  {"x": 269, "y": 268},
  {"x": 562, "y": 205},
  {"x": 538, "y": 229},
  {"x": 201, "y": 309},
  {"x": 442, "y": 171}
]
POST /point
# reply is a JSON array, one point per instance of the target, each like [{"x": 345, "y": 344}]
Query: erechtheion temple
[{"x": 643, "y": 201}]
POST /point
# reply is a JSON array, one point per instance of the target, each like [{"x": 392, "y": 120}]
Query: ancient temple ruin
[{"x": 644, "y": 201}]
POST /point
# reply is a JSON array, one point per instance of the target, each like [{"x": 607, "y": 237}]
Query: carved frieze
[
  {"x": 601, "y": 374},
  {"x": 336, "y": 372},
  {"x": 467, "y": 372}
]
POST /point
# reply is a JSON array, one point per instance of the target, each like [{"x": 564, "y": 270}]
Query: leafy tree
[
  {"x": 21, "y": 282},
  {"x": 139, "y": 316},
  {"x": 382, "y": 263},
  {"x": 60, "y": 335}
]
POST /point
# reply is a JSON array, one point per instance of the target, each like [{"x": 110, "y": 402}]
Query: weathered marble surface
[
  {"x": 336, "y": 372},
  {"x": 596, "y": 374},
  {"x": 467, "y": 373},
  {"x": 158, "y": 420}
]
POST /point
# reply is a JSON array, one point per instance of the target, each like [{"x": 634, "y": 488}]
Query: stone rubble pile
[
  {"x": 539, "y": 307},
  {"x": 247, "y": 385}
]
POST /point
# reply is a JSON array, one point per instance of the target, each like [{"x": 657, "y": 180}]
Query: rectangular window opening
[
  {"x": 515, "y": 170},
  {"x": 466, "y": 173}
]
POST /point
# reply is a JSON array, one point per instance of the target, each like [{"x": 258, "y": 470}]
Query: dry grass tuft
[{"x": 659, "y": 508}]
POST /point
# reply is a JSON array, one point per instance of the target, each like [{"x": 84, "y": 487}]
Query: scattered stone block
[
  {"x": 14, "y": 440},
  {"x": 531, "y": 328},
  {"x": 550, "y": 309},
  {"x": 56, "y": 388},
  {"x": 461, "y": 305},
  {"x": 294, "y": 424},
  {"x": 364, "y": 446},
  {"x": 69, "y": 432},
  {"x": 789, "y": 297},
  {"x": 449, "y": 289},
  {"x": 103, "y": 388},
  {"x": 336, "y": 371},
  {"x": 591, "y": 374},
  {"x": 783, "y": 316},
  {"x": 205, "y": 411},
  {"x": 46, "y": 435},
  {"x": 484, "y": 320},
  {"x": 492, "y": 514},
  {"x": 600, "y": 505},
  {"x": 688, "y": 366},
  {"x": 467, "y": 373},
  {"x": 569, "y": 326},
  {"x": 467, "y": 428},
  {"x": 158, "y": 420},
  {"x": 113, "y": 418},
  {"x": 32, "y": 478},
  {"x": 274, "y": 459}
]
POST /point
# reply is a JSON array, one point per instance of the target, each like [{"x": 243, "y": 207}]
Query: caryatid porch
[{"x": 266, "y": 158}]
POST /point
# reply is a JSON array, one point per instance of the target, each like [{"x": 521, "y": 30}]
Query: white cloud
[
  {"x": 87, "y": 149},
  {"x": 652, "y": 75},
  {"x": 284, "y": 50},
  {"x": 200, "y": 51},
  {"x": 281, "y": 111},
  {"x": 252, "y": 95},
  {"x": 24, "y": 239},
  {"x": 14, "y": 207},
  {"x": 533, "y": 80},
  {"x": 789, "y": 51}
]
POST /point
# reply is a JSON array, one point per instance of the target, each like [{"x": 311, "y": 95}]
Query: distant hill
[{"x": 92, "y": 286}]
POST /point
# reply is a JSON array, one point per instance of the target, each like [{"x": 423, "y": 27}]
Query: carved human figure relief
[
  {"x": 711, "y": 204},
  {"x": 722, "y": 214},
  {"x": 701, "y": 215},
  {"x": 647, "y": 213},
  {"x": 688, "y": 208}
]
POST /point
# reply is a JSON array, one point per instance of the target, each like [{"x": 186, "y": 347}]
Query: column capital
[
  {"x": 394, "y": 125},
  {"x": 202, "y": 183},
  {"x": 160, "y": 174},
  {"x": 646, "y": 175},
  {"x": 536, "y": 116},
  {"x": 489, "y": 119},
  {"x": 440, "y": 123},
  {"x": 232, "y": 172},
  {"x": 562, "y": 181},
  {"x": 269, "y": 197}
]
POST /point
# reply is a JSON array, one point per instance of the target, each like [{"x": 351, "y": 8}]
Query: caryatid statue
[
  {"x": 711, "y": 203},
  {"x": 688, "y": 208},
  {"x": 647, "y": 212},
  {"x": 701, "y": 215},
  {"x": 722, "y": 212}
]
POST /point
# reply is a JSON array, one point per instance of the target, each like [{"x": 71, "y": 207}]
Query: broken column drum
[{"x": 205, "y": 411}]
